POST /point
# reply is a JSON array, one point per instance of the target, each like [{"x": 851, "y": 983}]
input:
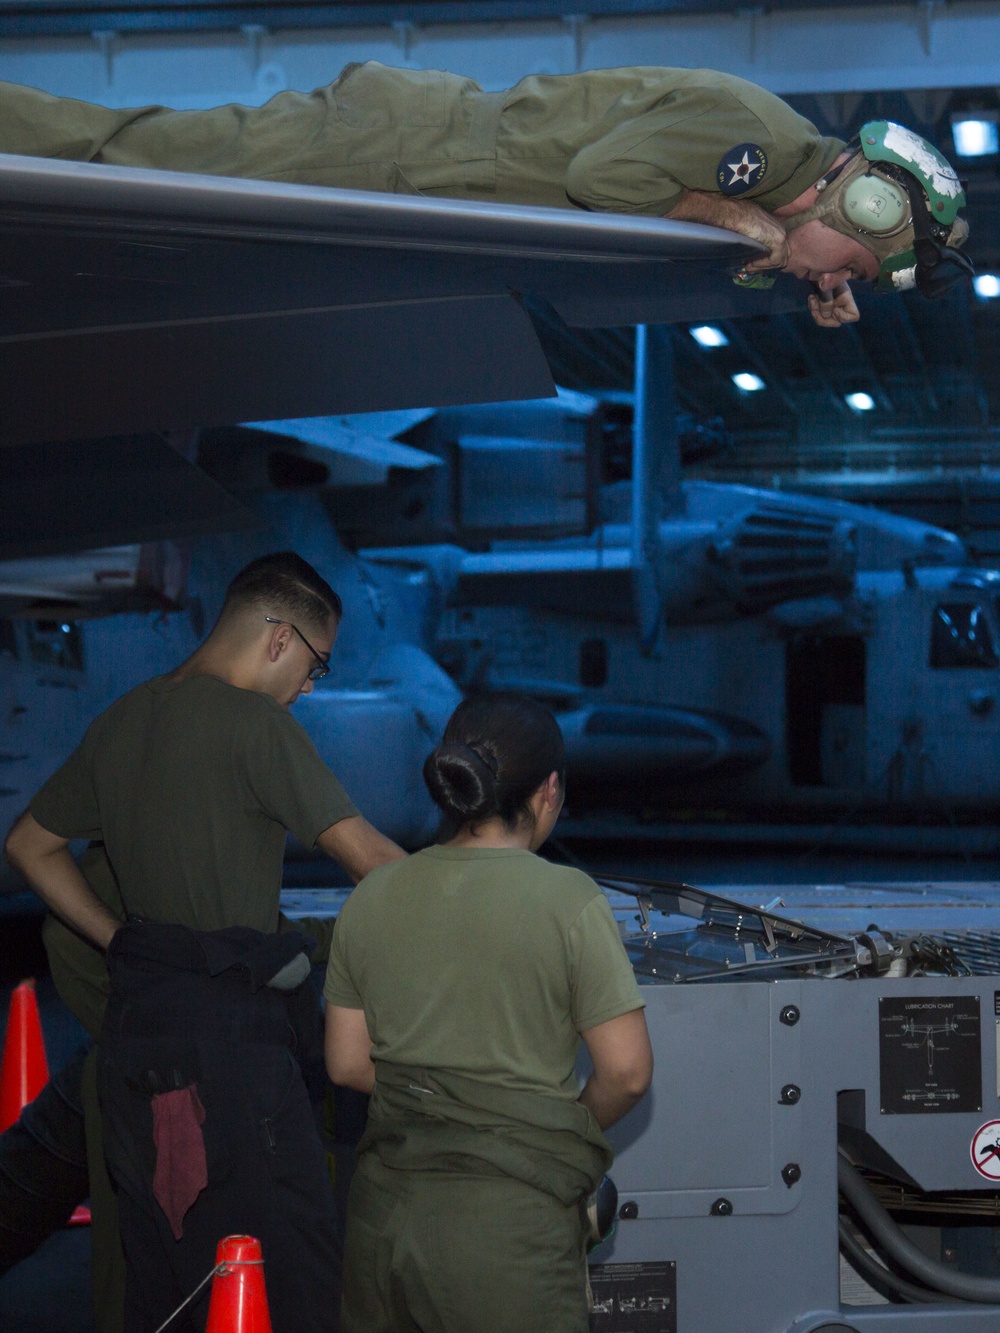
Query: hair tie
[{"x": 481, "y": 752}]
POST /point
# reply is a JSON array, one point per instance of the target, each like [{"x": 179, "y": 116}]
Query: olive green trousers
[{"x": 441, "y": 1252}]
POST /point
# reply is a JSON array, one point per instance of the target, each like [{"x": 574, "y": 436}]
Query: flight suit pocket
[
  {"x": 287, "y": 1139},
  {"x": 357, "y": 99},
  {"x": 389, "y": 178},
  {"x": 143, "y": 1069},
  {"x": 281, "y": 1094},
  {"x": 372, "y": 95}
]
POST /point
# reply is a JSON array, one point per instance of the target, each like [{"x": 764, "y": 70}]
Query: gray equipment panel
[
  {"x": 716, "y": 1130},
  {"x": 793, "y": 1065},
  {"x": 708, "y": 1151}
]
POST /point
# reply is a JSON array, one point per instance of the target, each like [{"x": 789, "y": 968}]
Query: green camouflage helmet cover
[{"x": 903, "y": 208}]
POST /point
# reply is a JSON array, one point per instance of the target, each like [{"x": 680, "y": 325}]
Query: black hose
[
  {"x": 883, "y": 1279},
  {"x": 899, "y": 1247}
]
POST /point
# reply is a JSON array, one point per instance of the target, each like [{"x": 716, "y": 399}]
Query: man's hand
[
  {"x": 838, "y": 308},
  {"x": 740, "y": 215},
  {"x": 44, "y": 860}
]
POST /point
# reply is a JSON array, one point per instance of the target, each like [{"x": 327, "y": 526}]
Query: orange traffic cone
[
  {"x": 24, "y": 1070},
  {"x": 239, "y": 1298}
]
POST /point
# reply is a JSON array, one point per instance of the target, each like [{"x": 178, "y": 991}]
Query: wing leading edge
[{"x": 134, "y": 300}]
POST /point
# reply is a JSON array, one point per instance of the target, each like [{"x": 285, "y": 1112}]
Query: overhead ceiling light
[
  {"x": 860, "y": 402},
  {"x": 748, "y": 381},
  {"x": 975, "y": 133},
  {"x": 987, "y": 285},
  {"x": 707, "y": 335}
]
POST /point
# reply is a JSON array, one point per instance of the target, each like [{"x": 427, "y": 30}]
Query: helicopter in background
[
  {"x": 790, "y": 660},
  {"x": 78, "y": 631},
  {"x": 805, "y": 657}
]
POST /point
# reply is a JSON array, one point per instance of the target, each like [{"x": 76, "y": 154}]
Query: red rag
[{"x": 181, "y": 1170}]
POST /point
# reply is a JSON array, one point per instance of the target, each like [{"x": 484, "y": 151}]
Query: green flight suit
[
  {"x": 80, "y": 975},
  {"x": 477, "y": 969},
  {"x": 618, "y": 140}
]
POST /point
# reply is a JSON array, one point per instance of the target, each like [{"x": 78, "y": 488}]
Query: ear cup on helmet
[{"x": 873, "y": 204}]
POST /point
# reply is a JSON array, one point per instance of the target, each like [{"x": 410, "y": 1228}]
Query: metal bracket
[
  {"x": 105, "y": 39},
  {"x": 254, "y": 32}
]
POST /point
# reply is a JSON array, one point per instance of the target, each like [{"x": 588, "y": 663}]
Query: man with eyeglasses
[
  {"x": 695, "y": 145},
  {"x": 191, "y": 782},
  {"x": 322, "y": 667}
]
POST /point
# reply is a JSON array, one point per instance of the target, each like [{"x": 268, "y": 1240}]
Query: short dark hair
[
  {"x": 285, "y": 584},
  {"x": 497, "y": 751}
]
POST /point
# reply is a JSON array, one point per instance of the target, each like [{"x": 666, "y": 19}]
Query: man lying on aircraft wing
[{"x": 693, "y": 145}]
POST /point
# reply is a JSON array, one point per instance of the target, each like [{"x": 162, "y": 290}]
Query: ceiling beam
[{"x": 195, "y": 54}]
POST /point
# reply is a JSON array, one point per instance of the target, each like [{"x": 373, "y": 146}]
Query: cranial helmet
[{"x": 899, "y": 198}]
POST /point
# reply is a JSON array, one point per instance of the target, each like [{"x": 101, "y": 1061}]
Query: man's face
[
  {"x": 823, "y": 256},
  {"x": 296, "y": 662}
]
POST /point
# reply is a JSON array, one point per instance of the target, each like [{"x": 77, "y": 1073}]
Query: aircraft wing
[{"x": 135, "y": 300}]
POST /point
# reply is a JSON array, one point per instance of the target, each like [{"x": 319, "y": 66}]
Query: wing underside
[{"x": 135, "y": 300}]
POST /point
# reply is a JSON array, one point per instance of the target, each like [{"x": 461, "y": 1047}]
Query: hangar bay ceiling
[{"x": 929, "y": 443}]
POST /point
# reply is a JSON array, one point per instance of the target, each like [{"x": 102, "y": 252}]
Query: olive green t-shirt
[
  {"x": 617, "y": 140},
  {"x": 79, "y": 968},
  {"x": 486, "y": 962},
  {"x": 191, "y": 786}
]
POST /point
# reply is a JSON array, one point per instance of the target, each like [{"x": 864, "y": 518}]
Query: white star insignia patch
[{"x": 742, "y": 171}]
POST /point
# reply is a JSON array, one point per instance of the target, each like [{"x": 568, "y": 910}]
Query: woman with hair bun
[{"x": 460, "y": 983}]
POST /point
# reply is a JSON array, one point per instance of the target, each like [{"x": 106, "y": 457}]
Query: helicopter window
[
  {"x": 961, "y": 637},
  {"x": 8, "y": 639},
  {"x": 594, "y": 663},
  {"x": 825, "y": 696},
  {"x": 55, "y": 643}
]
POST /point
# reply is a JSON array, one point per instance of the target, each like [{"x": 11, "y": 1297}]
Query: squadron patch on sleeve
[{"x": 741, "y": 168}]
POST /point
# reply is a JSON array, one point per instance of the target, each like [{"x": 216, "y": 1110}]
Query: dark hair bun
[
  {"x": 497, "y": 750},
  {"x": 462, "y": 782}
]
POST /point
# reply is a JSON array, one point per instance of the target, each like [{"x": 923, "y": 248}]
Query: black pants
[
  {"x": 266, "y": 1167},
  {"x": 43, "y": 1165}
]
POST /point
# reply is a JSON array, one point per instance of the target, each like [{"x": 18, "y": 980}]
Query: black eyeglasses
[{"x": 318, "y": 672}]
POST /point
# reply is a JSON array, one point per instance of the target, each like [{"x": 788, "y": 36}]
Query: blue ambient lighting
[
  {"x": 987, "y": 286},
  {"x": 747, "y": 381},
  {"x": 707, "y": 335},
  {"x": 860, "y": 402},
  {"x": 975, "y": 136}
]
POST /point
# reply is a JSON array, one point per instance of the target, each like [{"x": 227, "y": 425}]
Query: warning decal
[
  {"x": 930, "y": 1058},
  {"x": 634, "y": 1298},
  {"x": 985, "y": 1150}
]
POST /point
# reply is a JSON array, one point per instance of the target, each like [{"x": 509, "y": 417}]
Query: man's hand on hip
[{"x": 43, "y": 858}]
